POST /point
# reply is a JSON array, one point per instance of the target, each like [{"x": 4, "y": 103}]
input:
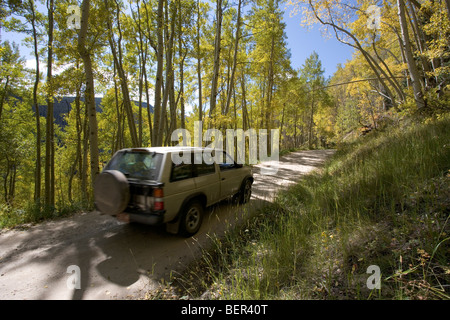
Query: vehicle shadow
[{"x": 150, "y": 254}]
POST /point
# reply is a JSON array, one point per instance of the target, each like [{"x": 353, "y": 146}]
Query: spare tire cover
[{"x": 111, "y": 192}]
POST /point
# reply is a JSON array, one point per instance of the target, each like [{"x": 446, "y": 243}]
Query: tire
[
  {"x": 246, "y": 192},
  {"x": 191, "y": 218},
  {"x": 111, "y": 192}
]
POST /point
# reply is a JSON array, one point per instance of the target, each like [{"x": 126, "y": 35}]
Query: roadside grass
[{"x": 383, "y": 200}]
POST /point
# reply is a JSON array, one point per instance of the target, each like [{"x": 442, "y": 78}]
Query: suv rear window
[{"x": 137, "y": 164}]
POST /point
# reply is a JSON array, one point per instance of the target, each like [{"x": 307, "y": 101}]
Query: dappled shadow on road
[
  {"x": 116, "y": 260},
  {"x": 289, "y": 169},
  {"x": 141, "y": 251}
]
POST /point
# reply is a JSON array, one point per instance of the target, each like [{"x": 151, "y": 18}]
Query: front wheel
[
  {"x": 191, "y": 219},
  {"x": 246, "y": 192}
]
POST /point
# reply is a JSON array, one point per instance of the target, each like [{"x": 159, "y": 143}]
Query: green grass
[{"x": 383, "y": 200}]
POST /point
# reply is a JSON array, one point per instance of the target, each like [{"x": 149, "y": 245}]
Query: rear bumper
[{"x": 153, "y": 219}]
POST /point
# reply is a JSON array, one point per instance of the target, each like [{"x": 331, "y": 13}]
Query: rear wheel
[{"x": 191, "y": 219}]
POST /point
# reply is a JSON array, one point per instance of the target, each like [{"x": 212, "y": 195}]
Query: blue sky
[{"x": 303, "y": 42}]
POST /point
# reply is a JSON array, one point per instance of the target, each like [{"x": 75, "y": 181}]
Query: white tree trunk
[{"x": 412, "y": 67}]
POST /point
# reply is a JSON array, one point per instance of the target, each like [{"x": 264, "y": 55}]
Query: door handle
[{"x": 223, "y": 179}]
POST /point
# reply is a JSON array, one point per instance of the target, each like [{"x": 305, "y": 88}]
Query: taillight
[{"x": 158, "y": 194}]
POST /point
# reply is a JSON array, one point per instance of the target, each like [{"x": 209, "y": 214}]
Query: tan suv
[{"x": 151, "y": 186}]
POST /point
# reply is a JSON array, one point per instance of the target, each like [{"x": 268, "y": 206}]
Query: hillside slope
[{"x": 378, "y": 210}]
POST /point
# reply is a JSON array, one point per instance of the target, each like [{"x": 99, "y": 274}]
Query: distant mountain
[{"x": 61, "y": 107}]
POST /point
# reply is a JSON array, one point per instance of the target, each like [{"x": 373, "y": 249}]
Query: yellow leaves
[
  {"x": 358, "y": 86},
  {"x": 263, "y": 59},
  {"x": 423, "y": 256},
  {"x": 218, "y": 121}
]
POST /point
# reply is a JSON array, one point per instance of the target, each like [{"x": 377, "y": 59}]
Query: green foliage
[{"x": 16, "y": 146}]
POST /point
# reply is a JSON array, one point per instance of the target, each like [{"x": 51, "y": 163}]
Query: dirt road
[{"x": 122, "y": 261}]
